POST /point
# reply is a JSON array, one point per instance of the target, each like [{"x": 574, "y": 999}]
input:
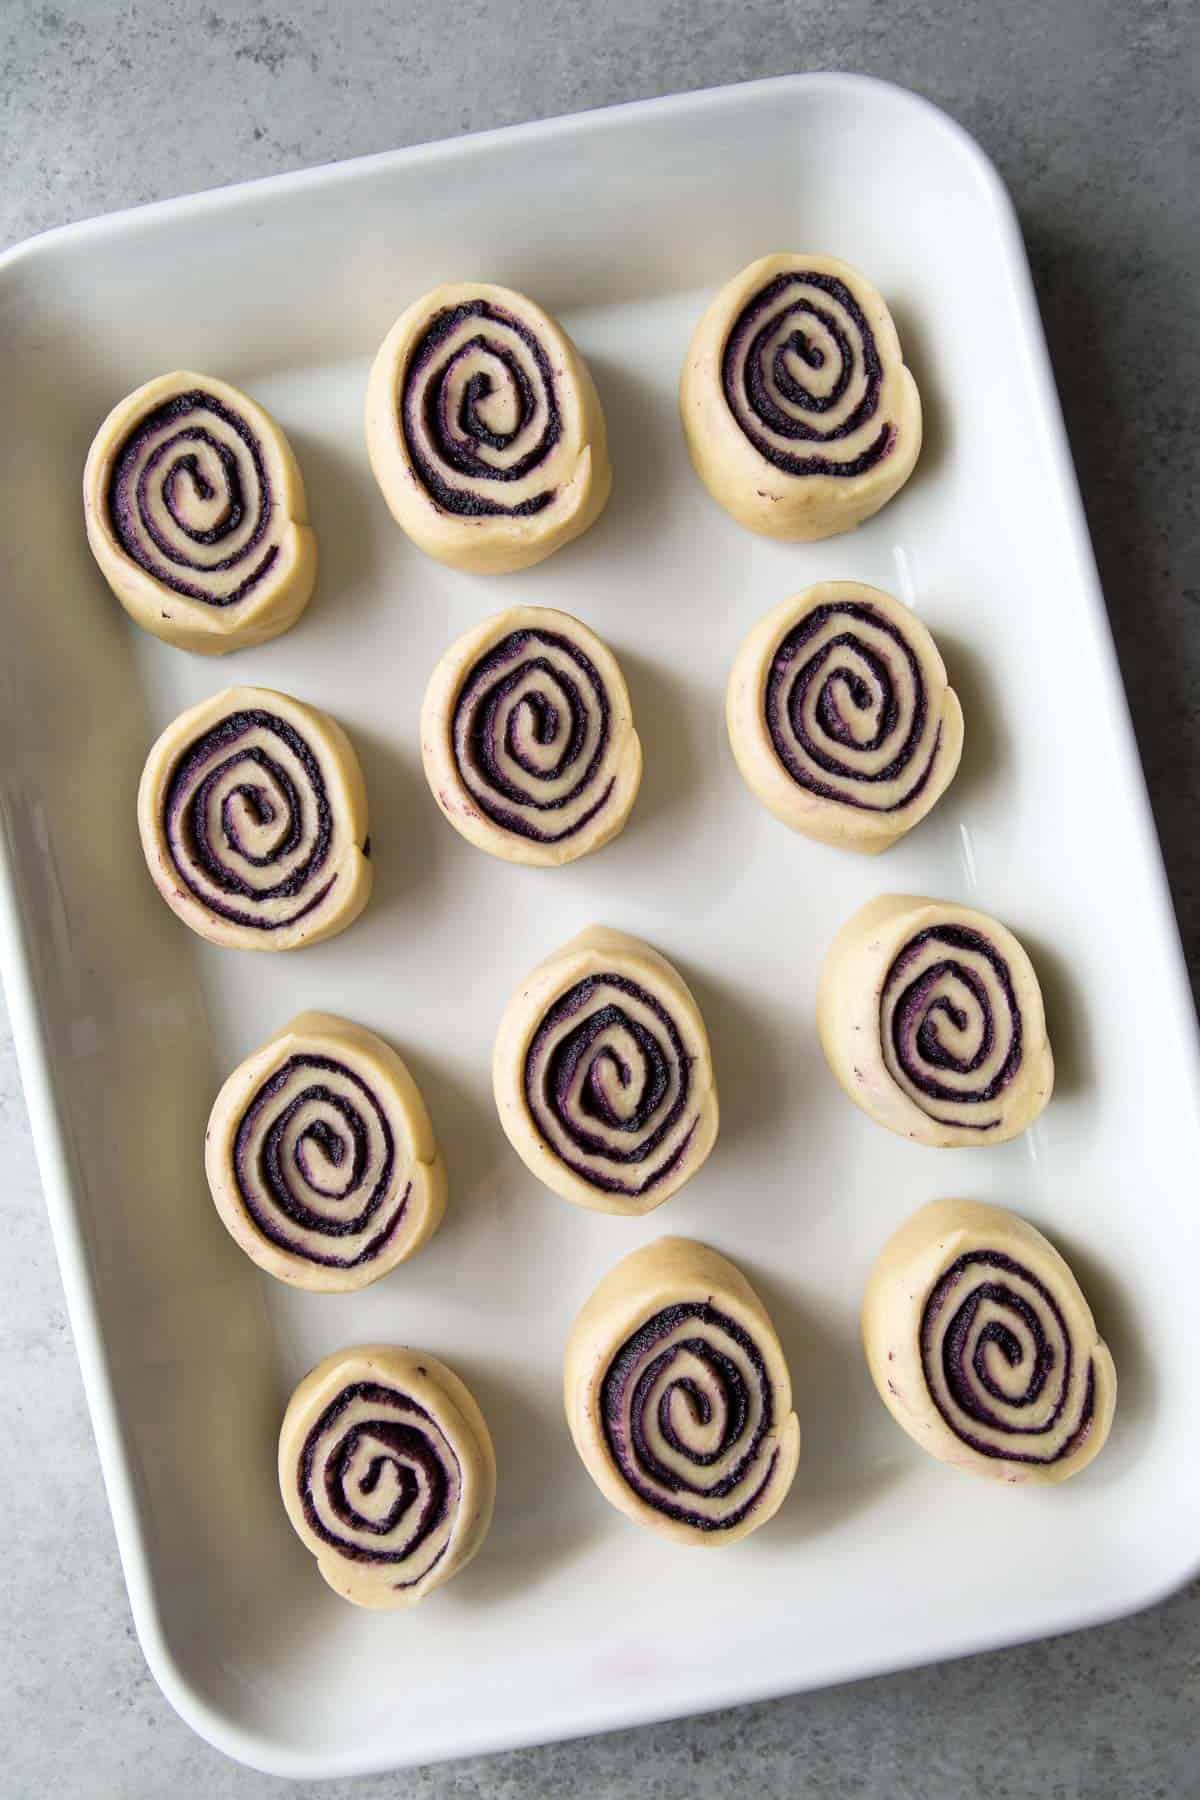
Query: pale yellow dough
[
  {"x": 800, "y": 507},
  {"x": 325, "y": 1257},
  {"x": 580, "y": 813},
  {"x": 886, "y": 808},
  {"x": 688, "y": 1124},
  {"x": 275, "y": 602},
  {"x": 576, "y": 466},
  {"x": 855, "y": 1012},
  {"x": 1023, "y": 1440},
  {"x": 678, "y": 1272},
  {"x": 336, "y": 893},
  {"x": 454, "y": 1432}
]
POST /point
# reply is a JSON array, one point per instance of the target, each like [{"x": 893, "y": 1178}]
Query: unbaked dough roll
[
  {"x": 931, "y": 1017},
  {"x": 527, "y": 738},
  {"x": 388, "y": 1474},
  {"x": 485, "y": 430},
  {"x": 678, "y": 1396},
  {"x": 983, "y": 1347},
  {"x": 603, "y": 1075},
  {"x": 321, "y": 1157},
  {"x": 800, "y": 415},
  {"x": 196, "y": 514},
  {"x": 841, "y": 718},
  {"x": 253, "y": 817}
]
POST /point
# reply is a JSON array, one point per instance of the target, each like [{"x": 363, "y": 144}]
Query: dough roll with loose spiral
[
  {"x": 387, "y": 1472},
  {"x": 931, "y": 1017}
]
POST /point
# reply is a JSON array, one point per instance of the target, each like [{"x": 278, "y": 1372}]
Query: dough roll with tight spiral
[
  {"x": 252, "y": 811},
  {"x": 800, "y": 416},
  {"x": 196, "y": 513},
  {"x": 678, "y": 1396},
  {"x": 983, "y": 1347},
  {"x": 841, "y": 718},
  {"x": 603, "y": 1075},
  {"x": 485, "y": 430},
  {"x": 527, "y": 738},
  {"x": 321, "y": 1157}
]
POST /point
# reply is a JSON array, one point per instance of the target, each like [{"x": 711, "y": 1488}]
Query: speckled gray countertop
[{"x": 1088, "y": 107}]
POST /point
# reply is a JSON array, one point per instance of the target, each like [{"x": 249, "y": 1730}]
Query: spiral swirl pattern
[
  {"x": 480, "y": 412},
  {"x": 931, "y": 1017},
  {"x": 531, "y": 730},
  {"x": 801, "y": 373},
  {"x": 321, "y": 1156},
  {"x": 190, "y": 500},
  {"x": 485, "y": 430},
  {"x": 847, "y": 709},
  {"x": 527, "y": 738},
  {"x": 1000, "y": 1364},
  {"x": 951, "y": 1025},
  {"x": 608, "y": 1083},
  {"x": 315, "y": 1157},
  {"x": 688, "y": 1412},
  {"x": 248, "y": 821},
  {"x": 983, "y": 1347},
  {"x": 603, "y": 1074},
  {"x": 380, "y": 1482},
  {"x": 252, "y": 813},
  {"x": 387, "y": 1472}
]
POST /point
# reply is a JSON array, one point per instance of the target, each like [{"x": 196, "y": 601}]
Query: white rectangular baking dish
[{"x": 572, "y": 1620}]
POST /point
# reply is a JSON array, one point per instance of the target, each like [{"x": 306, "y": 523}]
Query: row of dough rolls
[
  {"x": 253, "y": 807},
  {"x": 488, "y": 441},
  {"x": 322, "y": 1158},
  {"x": 678, "y": 1398}
]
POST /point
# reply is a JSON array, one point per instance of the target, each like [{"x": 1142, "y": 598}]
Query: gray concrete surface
[{"x": 1088, "y": 107}]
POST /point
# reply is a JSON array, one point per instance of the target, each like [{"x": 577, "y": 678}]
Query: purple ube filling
[
  {"x": 919, "y": 1051},
  {"x": 458, "y": 451},
  {"x": 551, "y": 1073},
  {"x": 751, "y": 401},
  {"x": 968, "y": 1381},
  {"x": 185, "y": 823},
  {"x": 790, "y": 677},
  {"x": 400, "y": 1445},
  {"x": 348, "y": 1139},
  {"x": 480, "y": 700},
  {"x": 633, "y": 1373},
  {"x": 173, "y": 461}
]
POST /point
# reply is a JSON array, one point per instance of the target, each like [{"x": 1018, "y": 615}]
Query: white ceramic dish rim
[{"x": 58, "y": 1177}]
